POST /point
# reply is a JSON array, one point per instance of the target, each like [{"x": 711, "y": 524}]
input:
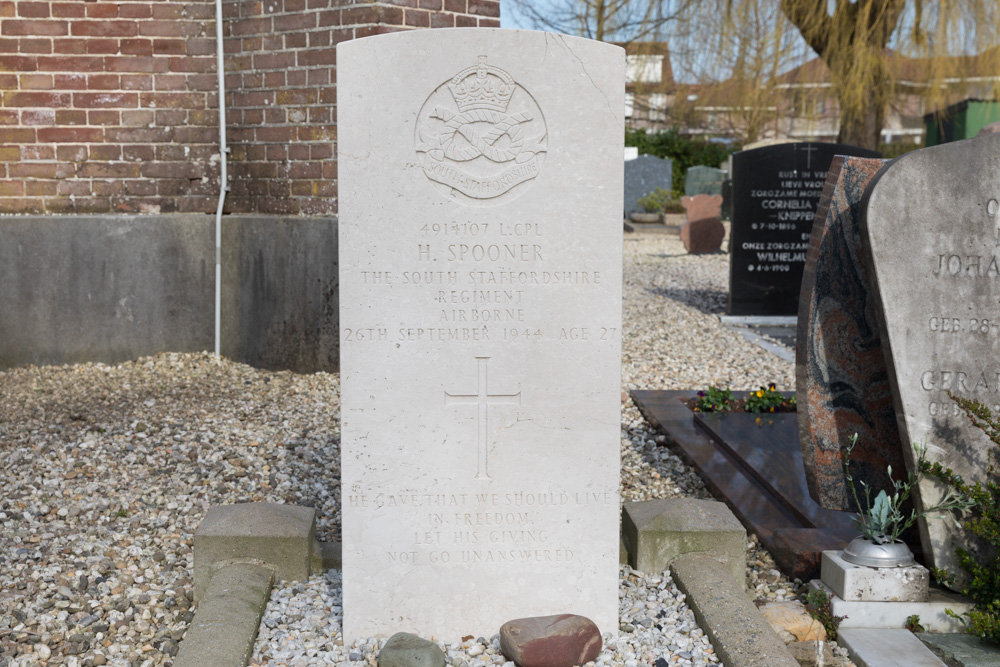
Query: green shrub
[
  {"x": 818, "y": 606},
  {"x": 983, "y": 585}
]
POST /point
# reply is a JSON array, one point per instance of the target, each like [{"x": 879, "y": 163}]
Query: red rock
[
  {"x": 550, "y": 641},
  {"x": 700, "y": 236},
  {"x": 700, "y": 207}
]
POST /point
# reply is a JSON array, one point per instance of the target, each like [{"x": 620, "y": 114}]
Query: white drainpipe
[{"x": 223, "y": 178}]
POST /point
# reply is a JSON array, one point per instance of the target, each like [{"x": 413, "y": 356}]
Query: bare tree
[{"x": 620, "y": 21}]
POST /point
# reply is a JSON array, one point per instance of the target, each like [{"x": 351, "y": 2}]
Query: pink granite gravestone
[{"x": 703, "y": 232}]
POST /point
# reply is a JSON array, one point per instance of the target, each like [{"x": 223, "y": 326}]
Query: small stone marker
[
  {"x": 875, "y": 584},
  {"x": 775, "y": 193},
  {"x": 841, "y": 383},
  {"x": 480, "y": 302},
  {"x": 703, "y": 231},
  {"x": 406, "y": 650},
  {"x": 642, "y": 176},
  {"x": 550, "y": 641},
  {"x": 932, "y": 226},
  {"x": 703, "y": 180}
]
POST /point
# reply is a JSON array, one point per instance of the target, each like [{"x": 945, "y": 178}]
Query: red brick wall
[{"x": 111, "y": 106}]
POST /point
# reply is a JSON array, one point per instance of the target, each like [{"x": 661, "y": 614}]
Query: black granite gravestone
[{"x": 775, "y": 192}]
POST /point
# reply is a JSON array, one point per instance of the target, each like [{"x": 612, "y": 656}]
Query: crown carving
[{"x": 482, "y": 86}]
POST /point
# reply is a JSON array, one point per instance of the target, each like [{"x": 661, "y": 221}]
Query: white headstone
[
  {"x": 480, "y": 176},
  {"x": 631, "y": 152}
]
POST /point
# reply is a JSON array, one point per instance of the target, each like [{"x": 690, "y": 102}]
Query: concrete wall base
[{"x": 109, "y": 289}]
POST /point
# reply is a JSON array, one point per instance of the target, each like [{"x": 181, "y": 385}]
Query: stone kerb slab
[
  {"x": 841, "y": 383},
  {"x": 281, "y": 536},
  {"x": 931, "y": 222},
  {"x": 480, "y": 316},
  {"x": 656, "y": 532}
]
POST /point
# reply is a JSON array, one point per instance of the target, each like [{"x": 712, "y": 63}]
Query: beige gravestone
[
  {"x": 480, "y": 288},
  {"x": 932, "y": 225}
]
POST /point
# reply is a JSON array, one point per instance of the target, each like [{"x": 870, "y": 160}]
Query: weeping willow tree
[{"x": 940, "y": 49}]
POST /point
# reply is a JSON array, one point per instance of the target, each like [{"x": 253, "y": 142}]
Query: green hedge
[{"x": 684, "y": 153}]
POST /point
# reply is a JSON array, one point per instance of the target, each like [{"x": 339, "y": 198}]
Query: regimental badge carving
[{"x": 480, "y": 137}]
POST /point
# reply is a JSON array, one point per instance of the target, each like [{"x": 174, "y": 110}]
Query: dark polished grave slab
[
  {"x": 758, "y": 473},
  {"x": 775, "y": 193}
]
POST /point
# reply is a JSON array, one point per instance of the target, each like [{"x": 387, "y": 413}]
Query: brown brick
[
  {"x": 40, "y": 188},
  {"x": 329, "y": 18},
  {"x": 197, "y": 46},
  {"x": 104, "y": 117},
  {"x": 169, "y": 28},
  {"x": 8, "y": 117},
  {"x": 6, "y": 9},
  {"x": 406, "y": 3},
  {"x": 36, "y": 152},
  {"x": 418, "y": 18},
  {"x": 137, "y": 153},
  {"x": 170, "y": 118},
  {"x": 442, "y": 20},
  {"x": 82, "y": 205},
  {"x": 137, "y": 47},
  {"x": 140, "y": 188},
  {"x": 137, "y": 118},
  {"x": 489, "y": 23},
  {"x": 137, "y": 82},
  {"x": 135, "y": 64},
  {"x": 103, "y": 82},
  {"x": 34, "y": 28},
  {"x": 274, "y": 60},
  {"x": 169, "y": 11},
  {"x": 66, "y": 153},
  {"x": 75, "y": 188},
  {"x": 42, "y": 170},
  {"x": 17, "y": 63},
  {"x": 319, "y": 57},
  {"x": 192, "y": 64},
  {"x": 276, "y": 134},
  {"x": 296, "y": 40},
  {"x": 294, "y": 22},
  {"x": 169, "y": 46},
  {"x": 102, "y": 10},
  {"x": 318, "y": 133},
  {"x": 11, "y": 188},
  {"x": 488, "y": 8},
  {"x": 67, "y": 46},
  {"x": 10, "y": 154},
  {"x": 172, "y": 100},
  {"x": 134, "y": 10},
  {"x": 70, "y": 63},
  {"x": 295, "y": 97},
  {"x": 36, "y": 81},
  {"x": 330, "y": 170},
  {"x": 106, "y": 153},
  {"x": 38, "y": 99},
  {"x": 106, "y": 100},
  {"x": 38, "y": 117},
  {"x": 465, "y": 22},
  {"x": 71, "y": 117},
  {"x": 251, "y": 27},
  {"x": 109, "y": 170},
  {"x": 69, "y": 81},
  {"x": 459, "y": 6},
  {"x": 196, "y": 135},
  {"x": 105, "y": 188},
  {"x": 69, "y": 10},
  {"x": 104, "y": 46},
  {"x": 274, "y": 80},
  {"x": 40, "y": 45},
  {"x": 431, "y": 4},
  {"x": 305, "y": 170},
  {"x": 104, "y": 29},
  {"x": 22, "y": 205},
  {"x": 63, "y": 135}
]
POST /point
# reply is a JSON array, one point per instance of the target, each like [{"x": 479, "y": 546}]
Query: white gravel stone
[{"x": 108, "y": 470}]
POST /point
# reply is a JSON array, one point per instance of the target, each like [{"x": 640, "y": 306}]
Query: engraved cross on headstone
[
  {"x": 483, "y": 399},
  {"x": 809, "y": 148}
]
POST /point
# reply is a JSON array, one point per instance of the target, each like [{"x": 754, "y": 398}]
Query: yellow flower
[{"x": 760, "y": 393}]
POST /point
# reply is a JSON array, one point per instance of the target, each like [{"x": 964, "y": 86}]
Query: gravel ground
[{"x": 108, "y": 470}]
